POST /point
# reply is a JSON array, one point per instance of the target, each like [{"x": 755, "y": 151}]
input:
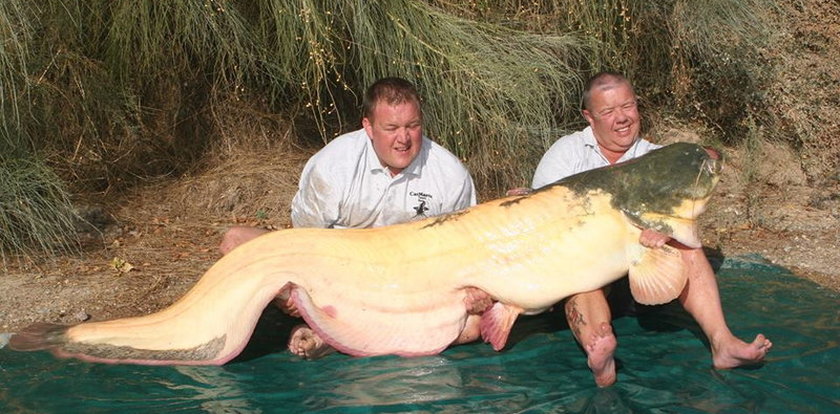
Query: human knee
[
  {"x": 228, "y": 241},
  {"x": 587, "y": 301},
  {"x": 235, "y": 236},
  {"x": 471, "y": 331}
]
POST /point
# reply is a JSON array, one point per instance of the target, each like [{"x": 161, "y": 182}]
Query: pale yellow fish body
[{"x": 396, "y": 289}]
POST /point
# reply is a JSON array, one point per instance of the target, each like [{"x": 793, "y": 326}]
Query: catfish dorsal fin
[
  {"x": 496, "y": 324},
  {"x": 658, "y": 276}
]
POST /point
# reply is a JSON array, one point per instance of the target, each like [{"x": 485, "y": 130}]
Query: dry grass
[
  {"x": 122, "y": 92},
  {"x": 249, "y": 176},
  {"x": 244, "y": 184}
]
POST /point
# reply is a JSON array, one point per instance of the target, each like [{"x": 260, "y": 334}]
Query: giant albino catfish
[{"x": 401, "y": 289}]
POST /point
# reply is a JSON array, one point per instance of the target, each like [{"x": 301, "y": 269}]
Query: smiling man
[
  {"x": 385, "y": 173},
  {"x": 610, "y": 107}
]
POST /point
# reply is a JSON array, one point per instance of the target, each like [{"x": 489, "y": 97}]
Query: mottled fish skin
[
  {"x": 636, "y": 185},
  {"x": 401, "y": 289},
  {"x": 112, "y": 353}
]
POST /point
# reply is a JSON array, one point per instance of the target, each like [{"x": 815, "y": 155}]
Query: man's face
[
  {"x": 614, "y": 117},
  {"x": 396, "y": 132}
]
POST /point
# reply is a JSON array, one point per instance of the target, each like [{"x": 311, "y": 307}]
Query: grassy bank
[{"x": 98, "y": 96}]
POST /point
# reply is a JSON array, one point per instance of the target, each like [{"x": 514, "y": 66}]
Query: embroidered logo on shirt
[{"x": 422, "y": 199}]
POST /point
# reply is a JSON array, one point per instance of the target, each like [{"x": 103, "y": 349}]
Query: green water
[{"x": 664, "y": 367}]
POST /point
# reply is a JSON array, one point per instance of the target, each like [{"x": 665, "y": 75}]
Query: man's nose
[{"x": 621, "y": 115}]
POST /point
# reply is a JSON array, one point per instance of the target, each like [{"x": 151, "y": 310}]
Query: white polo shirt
[
  {"x": 345, "y": 186},
  {"x": 577, "y": 153}
]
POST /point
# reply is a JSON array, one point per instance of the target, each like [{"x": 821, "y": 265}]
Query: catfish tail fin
[{"x": 39, "y": 336}]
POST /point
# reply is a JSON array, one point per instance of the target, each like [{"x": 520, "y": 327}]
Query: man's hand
[
  {"x": 286, "y": 304},
  {"x": 653, "y": 239},
  {"x": 477, "y": 300},
  {"x": 518, "y": 191}
]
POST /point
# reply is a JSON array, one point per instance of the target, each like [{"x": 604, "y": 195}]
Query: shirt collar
[{"x": 590, "y": 141}]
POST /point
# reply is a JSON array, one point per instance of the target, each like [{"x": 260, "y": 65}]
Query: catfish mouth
[
  {"x": 708, "y": 176},
  {"x": 690, "y": 209},
  {"x": 713, "y": 154},
  {"x": 672, "y": 194},
  {"x": 702, "y": 191},
  {"x": 714, "y": 164},
  {"x": 697, "y": 196}
]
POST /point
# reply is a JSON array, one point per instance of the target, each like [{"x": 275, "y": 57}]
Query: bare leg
[
  {"x": 701, "y": 299},
  {"x": 305, "y": 343},
  {"x": 238, "y": 235},
  {"x": 600, "y": 355},
  {"x": 476, "y": 301},
  {"x": 589, "y": 318},
  {"x": 471, "y": 332}
]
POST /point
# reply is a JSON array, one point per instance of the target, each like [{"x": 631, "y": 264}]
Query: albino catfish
[{"x": 401, "y": 289}]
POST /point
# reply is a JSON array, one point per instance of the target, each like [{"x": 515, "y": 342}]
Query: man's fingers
[
  {"x": 287, "y": 306},
  {"x": 519, "y": 191}
]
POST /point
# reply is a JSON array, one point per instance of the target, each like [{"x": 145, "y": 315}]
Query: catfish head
[{"x": 664, "y": 190}]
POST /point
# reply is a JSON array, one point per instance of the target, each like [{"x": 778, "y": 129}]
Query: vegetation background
[{"x": 119, "y": 118}]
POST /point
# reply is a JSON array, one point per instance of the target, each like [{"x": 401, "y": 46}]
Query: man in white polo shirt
[
  {"x": 386, "y": 173},
  {"x": 610, "y": 108}
]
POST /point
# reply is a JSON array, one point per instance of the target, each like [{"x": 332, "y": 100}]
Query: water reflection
[
  {"x": 215, "y": 390},
  {"x": 391, "y": 381},
  {"x": 604, "y": 401}
]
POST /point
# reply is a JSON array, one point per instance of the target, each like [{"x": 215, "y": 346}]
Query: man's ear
[
  {"x": 368, "y": 126},
  {"x": 587, "y": 115}
]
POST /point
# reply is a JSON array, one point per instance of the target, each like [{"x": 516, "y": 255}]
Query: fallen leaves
[{"x": 121, "y": 265}]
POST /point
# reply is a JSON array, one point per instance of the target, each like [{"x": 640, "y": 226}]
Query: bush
[{"x": 108, "y": 93}]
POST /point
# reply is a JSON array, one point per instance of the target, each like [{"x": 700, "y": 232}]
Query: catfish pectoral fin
[
  {"x": 496, "y": 324},
  {"x": 39, "y": 336},
  {"x": 658, "y": 277}
]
